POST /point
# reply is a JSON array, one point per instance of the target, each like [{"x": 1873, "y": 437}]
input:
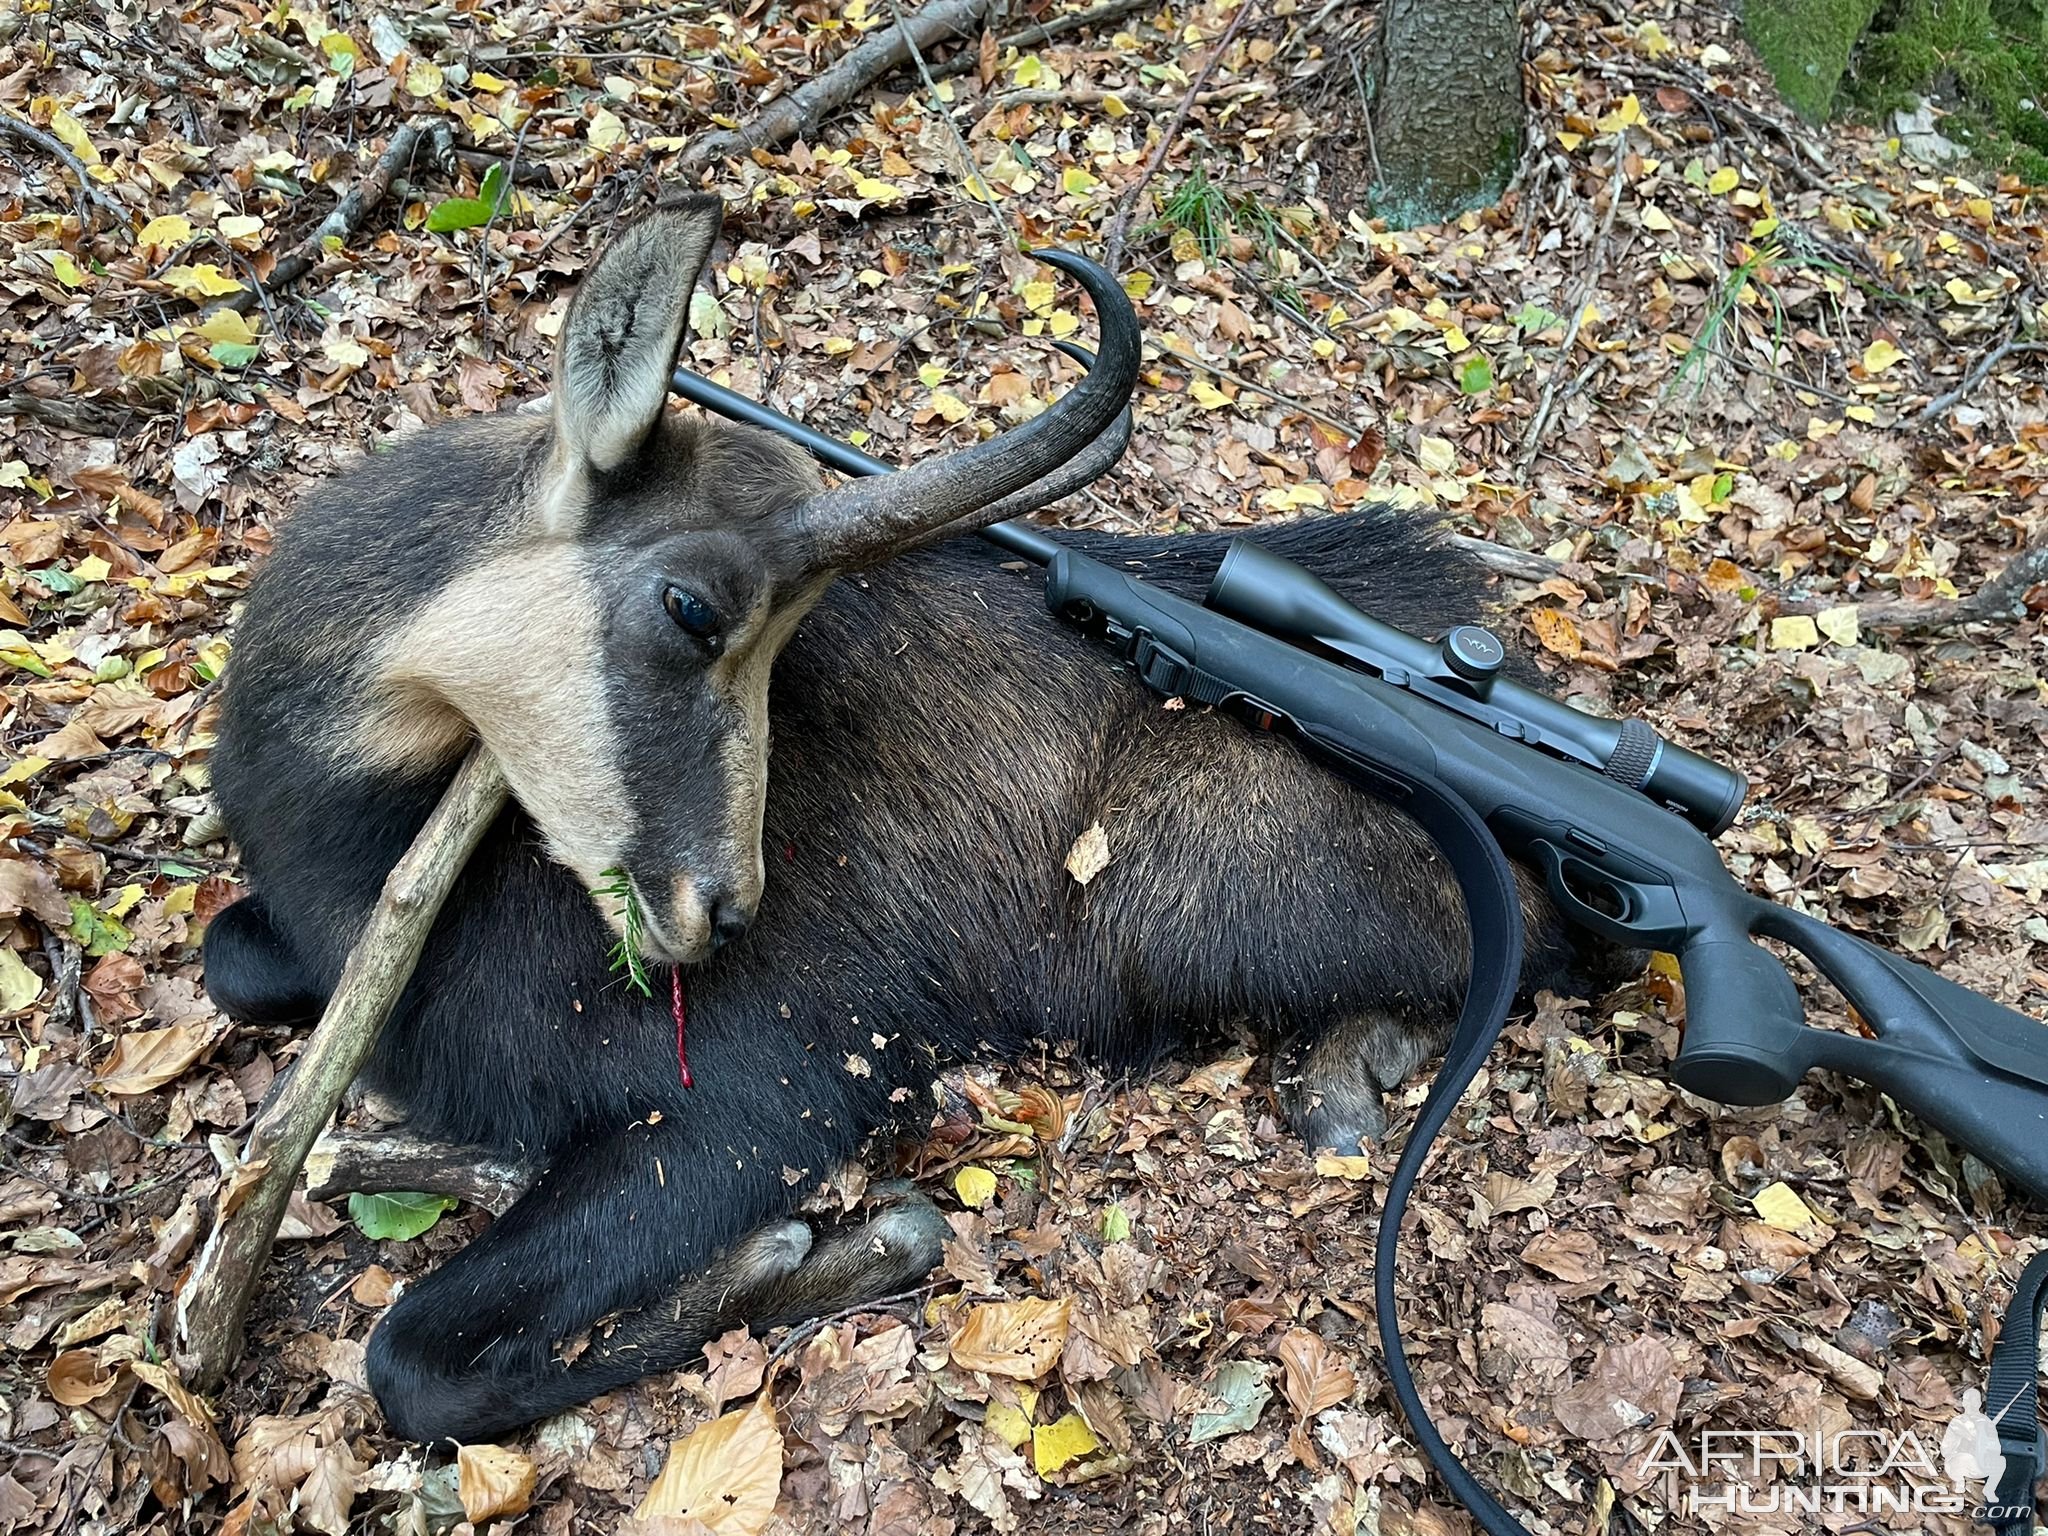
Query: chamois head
[{"x": 668, "y": 559}]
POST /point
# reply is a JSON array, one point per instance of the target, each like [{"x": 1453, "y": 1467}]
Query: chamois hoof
[{"x": 767, "y": 1254}]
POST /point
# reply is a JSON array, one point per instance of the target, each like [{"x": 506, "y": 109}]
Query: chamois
[{"x": 616, "y": 600}]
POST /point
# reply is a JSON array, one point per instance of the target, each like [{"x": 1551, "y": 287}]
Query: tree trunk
[{"x": 1447, "y": 113}]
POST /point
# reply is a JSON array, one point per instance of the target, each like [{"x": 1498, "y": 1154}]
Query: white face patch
[{"x": 512, "y": 646}]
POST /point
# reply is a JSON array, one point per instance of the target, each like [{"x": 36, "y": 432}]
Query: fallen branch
[
  {"x": 801, "y": 110},
  {"x": 89, "y": 194},
  {"x": 215, "y": 1300},
  {"x": 381, "y": 1162},
  {"x": 1040, "y": 33},
  {"x": 1126, "y": 205},
  {"x": 347, "y": 216},
  {"x": 2001, "y": 599},
  {"x": 1532, "y": 444},
  {"x": 2011, "y": 346}
]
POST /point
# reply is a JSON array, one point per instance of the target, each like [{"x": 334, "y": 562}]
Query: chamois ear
[{"x": 623, "y": 329}]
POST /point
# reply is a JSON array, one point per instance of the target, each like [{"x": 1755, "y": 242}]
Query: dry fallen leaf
[
  {"x": 493, "y": 1481},
  {"x": 1316, "y": 1376},
  {"x": 1089, "y": 856},
  {"x": 724, "y": 1475},
  {"x": 148, "y": 1059},
  {"x": 1020, "y": 1339},
  {"x": 75, "y": 1378}
]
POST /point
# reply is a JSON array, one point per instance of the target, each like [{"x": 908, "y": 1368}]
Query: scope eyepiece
[{"x": 1269, "y": 592}]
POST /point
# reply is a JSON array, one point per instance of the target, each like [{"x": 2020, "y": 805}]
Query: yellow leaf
[
  {"x": 1038, "y": 295},
  {"x": 1627, "y": 115},
  {"x": 951, "y": 406},
  {"x": 424, "y": 78},
  {"x": 1112, "y": 106},
  {"x": 71, "y": 132},
  {"x": 91, "y": 568},
  {"x": 1010, "y": 1425},
  {"x": 931, "y": 375},
  {"x": 1455, "y": 340},
  {"x": 1726, "y": 179},
  {"x": 1066, "y": 1439},
  {"x": 1839, "y": 624},
  {"x": 1559, "y": 634},
  {"x": 1960, "y": 291},
  {"x": 65, "y": 270},
  {"x": 605, "y": 130},
  {"x": 876, "y": 191},
  {"x": 1077, "y": 182},
  {"x": 19, "y": 986},
  {"x": 1138, "y": 284},
  {"x": 1331, "y": 1166},
  {"x": 975, "y": 1186},
  {"x": 726, "y": 1474},
  {"x": 484, "y": 80},
  {"x": 1062, "y": 323},
  {"x": 1020, "y": 1339},
  {"x": 1880, "y": 355},
  {"x": 205, "y": 281},
  {"x": 1207, "y": 395},
  {"x": 227, "y": 325},
  {"x": 493, "y": 1481},
  {"x": 1437, "y": 455},
  {"x": 165, "y": 231},
  {"x": 1781, "y": 1207},
  {"x": 1656, "y": 219},
  {"x": 239, "y": 227},
  {"x": 1794, "y": 632}
]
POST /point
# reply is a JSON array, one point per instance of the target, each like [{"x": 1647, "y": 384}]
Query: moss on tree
[{"x": 1807, "y": 44}]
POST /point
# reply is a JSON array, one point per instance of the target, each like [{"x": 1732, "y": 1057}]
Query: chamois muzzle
[{"x": 865, "y": 521}]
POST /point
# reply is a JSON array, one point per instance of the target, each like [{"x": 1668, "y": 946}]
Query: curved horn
[{"x": 864, "y": 521}]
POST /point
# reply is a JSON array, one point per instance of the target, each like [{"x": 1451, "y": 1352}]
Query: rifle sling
[{"x": 1494, "y": 914}]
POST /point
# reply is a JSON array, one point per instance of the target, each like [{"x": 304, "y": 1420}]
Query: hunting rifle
[{"x": 1618, "y": 819}]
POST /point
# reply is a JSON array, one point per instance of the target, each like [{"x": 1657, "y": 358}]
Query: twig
[
  {"x": 1540, "y": 423},
  {"x": 802, "y": 109},
  {"x": 977, "y": 185},
  {"x": 215, "y": 1300},
  {"x": 1522, "y": 564},
  {"x": 810, "y": 1326},
  {"x": 1244, "y": 90},
  {"x": 1045, "y": 31},
  {"x": 67, "y": 997},
  {"x": 2011, "y": 346},
  {"x": 1196, "y": 365},
  {"x": 89, "y": 194},
  {"x": 1120, "y": 226},
  {"x": 346, "y": 217},
  {"x": 71, "y": 415}
]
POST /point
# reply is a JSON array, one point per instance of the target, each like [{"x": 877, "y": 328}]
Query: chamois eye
[{"x": 693, "y": 616}]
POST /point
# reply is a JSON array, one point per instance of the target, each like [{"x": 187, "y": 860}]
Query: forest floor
[{"x": 1728, "y": 396}]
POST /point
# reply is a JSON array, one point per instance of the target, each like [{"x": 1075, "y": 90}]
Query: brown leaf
[
  {"x": 372, "y": 1288},
  {"x": 1316, "y": 1378},
  {"x": 1020, "y": 1339},
  {"x": 69, "y": 744},
  {"x": 725, "y": 1475},
  {"x": 1367, "y": 452},
  {"x": 277, "y": 1453},
  {"x": 75, "y": 1378},
  {"x": 112, "y": 984},
  {"x": 1557, "y": 632},
  {"x": 26, "y": 887},
  {"x": 737, "y": 1362},
  {"x": 1632, "y": 1385},
  {"x": 147, "y": 1060},
  {"x": 329, "y": 1491},
  {"x": 1574, "y": 1257},
  {"x": 493, "y": 1481}
]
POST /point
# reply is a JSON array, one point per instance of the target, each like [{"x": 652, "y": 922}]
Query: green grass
[
  {"x": 626, "y": 953},
  {"x": 1213, "y": 215}
]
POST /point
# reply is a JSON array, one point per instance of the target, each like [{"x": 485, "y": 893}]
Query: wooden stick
[
  {"x": 1532, "y": 443},
  {"x": 801, "y": 110},
  {"x": 215, "y": 1300},
  {"x": 379, "y": 1162}
]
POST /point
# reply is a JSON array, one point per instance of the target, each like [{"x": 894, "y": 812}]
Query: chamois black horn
[{"x": 867, "y": 520}]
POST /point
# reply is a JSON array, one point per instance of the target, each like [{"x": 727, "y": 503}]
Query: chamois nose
[{"x": 729, "y": 919}]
